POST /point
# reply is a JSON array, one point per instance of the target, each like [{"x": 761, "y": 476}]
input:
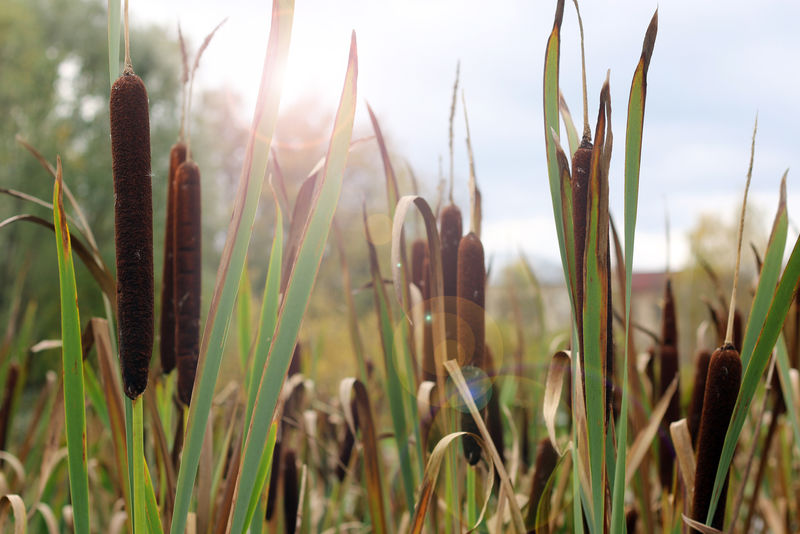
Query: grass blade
[
  {"x": 233, "y": 255},
  {"x": 633, "y": 157},
  {"x": 72, "y": 361},
  {"x": 301, "y": 281}
]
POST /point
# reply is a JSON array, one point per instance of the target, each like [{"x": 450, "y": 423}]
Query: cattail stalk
[
  {"x": 188, "y": 267},
  {"x": 471, "y": 326},
  {"x": 133, "y": 224}
]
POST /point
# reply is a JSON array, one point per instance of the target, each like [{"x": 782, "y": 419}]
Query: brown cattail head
[
  {"x": 581, "y": 166},
  {"x": 177, "y": 155},
  {"x": 470, "y": 304},
  {"x": 470, "y": 329},
  {"x": 696, "y": 403},
  {"x": 133, "y": 225},
  {"x": 451, "y": 238},
  {"x": 631, "y": 517},
  {"x": 669, "y": 329},
  {"x": 722, "y": 387},
  {"x": 666, "y": 453},
  {"x": 494, "y": 422},
  {"x": 6, "y": 408},
  {"x": 188, "y": 268},
  {"x": 546, "y": 460},
  {"x": 291, "y": 491}
]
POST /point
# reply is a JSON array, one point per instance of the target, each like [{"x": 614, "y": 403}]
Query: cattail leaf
[
  {"x": 233, "y": 255},
  {"x": 152, "y": 516},
  {"x": 684, "y": 450},
  {"x": 269, "y": 313},
  {"x": 98, "y": 270},
  {"x": 18, "y": 509},
  {"x": 431, "y": 475},
  {"x": 768, "y": 276},
  {"x": 551, "y": 122},
  {"x": 633, "y": 156},
  {"x": 107, "y": 361},
  {"x": 392, "y": 191},
  {"x": 243, "y": 302},
  {"x": 595, "y": 306},
  {"x": 569, "y": 125},
  {"x": 475, "y": 204},
  {"x": 372, "y": 471},
  {"x": 298, "y": 290},
  {"x": 463, "y": 389},
  {"x": 435, "y": 257},
  {"x": 264, "y": 472},
  {"x": 558, "y": 369},
  {"x": 757, "y": 363},
  {"x": 394, "y": 388},
  {"x": 567, "y": 205},
  {"x": 697, "y": 525},
  {"x": 787, "y": 389},
  {"x": 72, "y": 364},
  {"x": 645, "y": 437}
]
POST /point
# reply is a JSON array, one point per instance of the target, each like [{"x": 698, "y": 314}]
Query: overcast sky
[{"x": 713, "y": 68}]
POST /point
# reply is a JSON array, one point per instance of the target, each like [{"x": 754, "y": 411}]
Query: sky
[{"x": 712, "y": 71}]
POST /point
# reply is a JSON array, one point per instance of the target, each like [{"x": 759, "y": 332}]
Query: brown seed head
[
  {"x": 666, "y": 453},
  {"x": 177, "y": 155},
  {"x": 133, "y": 224},
  {"x": 546, "y": 460},
  {"x": 188, "y": 268},
  {"x": 291, "y": 491},
  {"x": 722, "y": 387}
]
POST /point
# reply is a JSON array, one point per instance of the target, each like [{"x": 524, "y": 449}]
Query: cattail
[
  {"x": 581, "y": 164},
  {"x": 188, "y": 267},
  {"x": 494, "y": 422},
  {"x": 696, "y": 403},
  {"x": 291, "y": 492},
  {"x": 722, "y": 387},
  {"x": 177, "y": 155},
  {"x": 546, "y": 460},
  {"x": 666, "y": 453},
  {"x": 668, "y": 370},
  {"x": 451, "y": 238},
  {"x": 470, "y": 330},
  {"x": 133, "y": 224},
  {"x": 631, "y": 518}
]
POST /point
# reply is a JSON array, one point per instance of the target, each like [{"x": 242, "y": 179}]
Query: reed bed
[{"x": 621, "y": 445}]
